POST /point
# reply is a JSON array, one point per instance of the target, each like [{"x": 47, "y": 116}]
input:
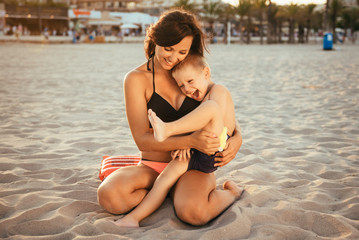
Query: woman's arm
[
  {"x": 233, "y": 145},
  {"x": 136, "y": 110}
]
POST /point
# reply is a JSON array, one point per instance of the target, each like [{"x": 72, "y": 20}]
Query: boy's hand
[{"x": 181, "y": 154}]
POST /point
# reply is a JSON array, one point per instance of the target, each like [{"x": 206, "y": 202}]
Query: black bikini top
[{"x": 163, "y": 109}]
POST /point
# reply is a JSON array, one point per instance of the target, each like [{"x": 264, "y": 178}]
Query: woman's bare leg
[
  {"x": 196, "y": 199},
  {"x": 157, "y": 194},
  {"x": 125, "y": 188}
]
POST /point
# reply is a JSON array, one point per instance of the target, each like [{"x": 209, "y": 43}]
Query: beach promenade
[{"x": 62, "y": 109}]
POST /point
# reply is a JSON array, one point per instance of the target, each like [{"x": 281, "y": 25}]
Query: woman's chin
[{"x": 167, "y": 67}]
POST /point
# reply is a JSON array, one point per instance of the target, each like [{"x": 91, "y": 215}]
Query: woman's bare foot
[
  {"x": 127, "y": 221},
  {"x": 159, "y": 127},
  {"x": 231, "y": 186}
]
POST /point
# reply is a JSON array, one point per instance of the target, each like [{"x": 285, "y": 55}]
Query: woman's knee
[
  {"x": 192, "y": 212},
  {"x": 111, "y": 199},
  {"x": 191, "y": 197}
]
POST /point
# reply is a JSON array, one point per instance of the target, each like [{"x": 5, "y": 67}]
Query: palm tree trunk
[
  {"x": 249, "y": 28},
  {"x": 325, "y": 22},
  {"x": 241, "y": 39},
  {"x": 291, "y": 31},
  {"x": 270, "y": 29},
  {"x": 280, "y": 31},
  {"x": 301, "y": 33},
  {"x": 308, "y": 31},
  {"x": 352, "y": 29},
  {"x": 345, "y": 35},
  {"x": 261, "y": 28},
  {"x": 333, "y": 28},
  {"x": 225, "y": 32},
  {"x": 274, "y": 32}
]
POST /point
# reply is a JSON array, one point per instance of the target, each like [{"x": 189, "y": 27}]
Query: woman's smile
[{"x": 169, "y": 63}]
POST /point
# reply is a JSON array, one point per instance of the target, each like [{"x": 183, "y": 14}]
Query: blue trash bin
[{"x": 328, "y": 41}]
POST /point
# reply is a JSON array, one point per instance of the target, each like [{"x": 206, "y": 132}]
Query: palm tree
[
  {"x": 335, "y": 9},
  {"x": 212, "y": 11},
  {"x": 301, "y": 20},
  {"x": 186, "y": 5},
  {"x": 226, "y": 15},
  {"x": 350, "y": 16},
  {"x": 309, "y": 14},
  {"x": 260, "y": 6},
  {"x": 243, "y": 10},
  {"x": 317, "y": 21},
  {"x": 272, "y": 11},
  {"x": 345, "y": 21},
  {"x": 280, "y": 16},
  {"x": 326, "y": 14},
  {"x": 292, "y": 11}
]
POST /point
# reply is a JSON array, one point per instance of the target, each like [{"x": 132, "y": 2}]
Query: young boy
[{"x": 215, "y": 114}]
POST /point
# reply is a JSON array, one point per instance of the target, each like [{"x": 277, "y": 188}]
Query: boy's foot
[
  {"x": 231, "y": 186},
  {"x": 127, "y": 222},
  {"x": 158, "y": 126}
]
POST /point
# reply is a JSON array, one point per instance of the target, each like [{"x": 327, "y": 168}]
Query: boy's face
[{"x": 193, "y": 81}]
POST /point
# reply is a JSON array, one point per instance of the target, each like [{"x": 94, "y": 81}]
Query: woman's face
[{"x": 168, "y": 57}]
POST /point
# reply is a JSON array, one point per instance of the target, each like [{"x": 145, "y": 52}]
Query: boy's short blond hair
[{"x": 195, "y": 60}]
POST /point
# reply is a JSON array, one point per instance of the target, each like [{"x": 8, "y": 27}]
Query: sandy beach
[{"x": 62, "y": 109}]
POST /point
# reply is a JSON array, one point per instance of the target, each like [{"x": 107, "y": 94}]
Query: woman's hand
[
  {"x": 233, "y": 145},
  {"x": 205, "y": 142}
]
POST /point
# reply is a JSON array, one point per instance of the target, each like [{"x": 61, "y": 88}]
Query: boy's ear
[{"x": 207, "y": 72}]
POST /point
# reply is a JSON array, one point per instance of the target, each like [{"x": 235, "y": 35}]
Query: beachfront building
[
  {"x": 158, "y": 6},
  {"x": 126, "y": 17},
  {"x": 153, "y": 7},
  {"x": 109, "y": 5},
  {"x": 34, "y": 18}
]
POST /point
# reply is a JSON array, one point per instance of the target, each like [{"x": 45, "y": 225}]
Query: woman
[{"x": 196, "y": 200}]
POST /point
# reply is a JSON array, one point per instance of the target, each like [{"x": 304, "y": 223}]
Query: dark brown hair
[{"x": 171, "y": 28}]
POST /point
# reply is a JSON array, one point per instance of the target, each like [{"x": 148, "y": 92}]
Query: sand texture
[{"x": 62, "y": 109}]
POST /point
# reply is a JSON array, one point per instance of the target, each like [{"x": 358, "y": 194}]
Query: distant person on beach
[
  {"x": 215, "y": 113},
  {"x": 150, "y": 86}
]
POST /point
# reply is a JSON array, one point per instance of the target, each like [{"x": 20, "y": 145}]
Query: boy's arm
[{"x": 222, "y": 96}]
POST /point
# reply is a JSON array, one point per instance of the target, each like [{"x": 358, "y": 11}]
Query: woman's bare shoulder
[{"x": 136, "y": 75}]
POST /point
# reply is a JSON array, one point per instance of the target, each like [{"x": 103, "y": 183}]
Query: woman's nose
[{"x": 173, "y": 58}]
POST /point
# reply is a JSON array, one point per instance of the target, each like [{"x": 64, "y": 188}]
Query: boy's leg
[
  {"x": 157, "y": 195},
  {"x": 196, "y": 199},
  {"x": 207, "y": 115}
]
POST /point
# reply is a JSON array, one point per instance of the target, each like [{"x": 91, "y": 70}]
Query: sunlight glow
[{"x": 283, "y": 2}]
